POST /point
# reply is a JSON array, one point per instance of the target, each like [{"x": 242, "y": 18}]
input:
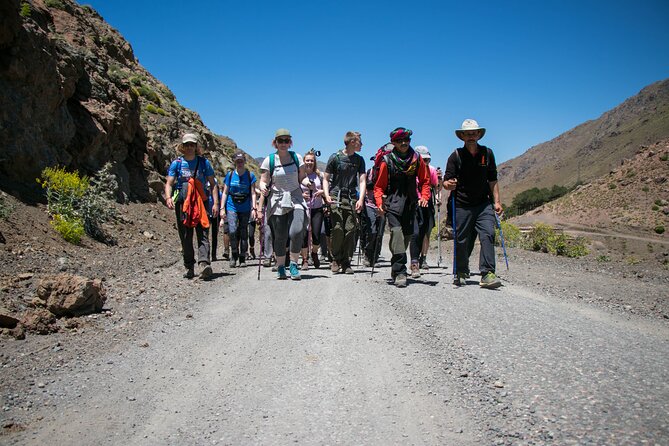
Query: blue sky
[{"x": 526, "y": 70}]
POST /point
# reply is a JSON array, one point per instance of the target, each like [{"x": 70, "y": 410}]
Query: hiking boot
[
  {"x": 347, "y": 269},
  {"x": 415, "y": 271},
  {"x": 242, "y": 262},
  {"x": 281, "y": 272},
  {"x": 190, "y": 273},
  {"x": 490, "y": 280},
  {"x": 206, "y": 272},
  {"x": 233, "y": 263},
  {"x": 460, "y": 279},
  {"x": 294, "y": 272},
  {"x": 422, "y": 263},
  {"x": 315, "y": 260},
  {"x": 305, "y": 265},
  {"x": 267, "y": 263},
  {"x": 401, "y": 280},
  {"x": 334, "y": 267}
]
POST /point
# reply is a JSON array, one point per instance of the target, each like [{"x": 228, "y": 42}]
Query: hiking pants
[
  {"x": 238, "y": 225},
  {"x": 186, "y": 237},
  {"x": 401, "y": 229},
  {"x": 344, "y": 223},
  {"x": 373, "y": 229},
  {"x": 288, "y": 227},
  {"x": 316, "y": 223},
  {"x": 213, "y": 225},
  {"x": 469, "y": 222},
  {"x": 423, "y": 224},
  {"x": 252, "y": 235}
]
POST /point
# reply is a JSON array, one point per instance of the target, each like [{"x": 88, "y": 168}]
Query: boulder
[
  {"x": 70, "y": 295},
  {"x": 40, "y": 321},
  {"x": 6, "y": 319}
]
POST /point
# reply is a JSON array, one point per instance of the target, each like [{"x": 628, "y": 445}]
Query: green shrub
[
  {"x": 5, "y": 208},
  {"x": 659, "y": 229},
  {"x": 167, "y": 93},
  {"x": 87, "y": 8},
  {"x": 630, "y": 174},
  {"x": 26, "y": 10},
  {"x": 161, "y": 111},
  {"x": 512, "y": 236},
  {"x": 151, "y": 109},
  {"x": 117, "y": 74},
  {"x": 75, "y": 201},
  {"x": 632, "y": 260},
  {"x": 71, "y": 229},
  {"x": 645, "y": 188},
  {"x": 149, "y": 94},
  {"x": 664, "y": 157},
  {"x": 612, "y": 186},
  {"x": 545, "y": 239},
  {"x": 58, "y": 4},
  {"x": 136, "y": 80},
  {"x": 658, "y": 202},
  {"x": 655, "y": 207},
  {"x": 603, "y": 259}
]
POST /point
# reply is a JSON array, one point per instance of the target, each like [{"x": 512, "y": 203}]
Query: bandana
[{"x": 400, "y": 133}]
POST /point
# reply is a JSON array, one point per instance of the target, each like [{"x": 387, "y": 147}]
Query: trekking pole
[
  {"x": 501, "y": 236},
  {"x": 379, "y": 237},
  {"x": 439, "y": 235},
  {"x": 455, "y": 237}
]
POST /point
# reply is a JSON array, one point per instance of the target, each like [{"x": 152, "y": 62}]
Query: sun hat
[
  {"x": 189, "y": 137},
  {"x": 423, "y": 152},
  {"x": 400, "y": 133},
  {"x": 282, "y": 132},
  {"x": 467, "y": 125}
]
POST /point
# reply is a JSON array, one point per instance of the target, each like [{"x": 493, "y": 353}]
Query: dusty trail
[{"x": 271, "y": 362}]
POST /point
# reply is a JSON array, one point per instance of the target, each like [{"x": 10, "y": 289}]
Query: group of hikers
[{"x": 300, "y": 211}]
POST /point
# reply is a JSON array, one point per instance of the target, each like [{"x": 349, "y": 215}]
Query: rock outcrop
[
  {"x": 73, "y": 94},
  {"x": 69, "y": 295}
]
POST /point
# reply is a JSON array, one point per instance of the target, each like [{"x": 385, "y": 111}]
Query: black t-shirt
[
  {"x": 344, "y": 172},
  {"x": 474, "y": 174}
]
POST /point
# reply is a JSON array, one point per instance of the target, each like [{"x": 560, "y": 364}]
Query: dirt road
[{"x": 362, "y": 362}]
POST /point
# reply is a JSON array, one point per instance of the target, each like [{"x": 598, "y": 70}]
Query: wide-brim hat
[
  {"x": 282, "y": 132},
  {"x": 468, "y": 125},
  {"x": 189, "y": 137}
]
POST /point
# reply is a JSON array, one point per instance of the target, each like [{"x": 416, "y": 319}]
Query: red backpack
[{"x": 374, "y": 171}]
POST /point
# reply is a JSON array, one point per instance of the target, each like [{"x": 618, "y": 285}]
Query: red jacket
[
  {"x": 194, "y": 210},
  {"x": 423, "y": 176}
]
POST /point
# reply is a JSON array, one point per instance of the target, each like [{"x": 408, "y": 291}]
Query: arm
[
  {"x": 213, "y": 188},
  {"x": 224, "y": 201},
  {"x": 424, "y": 181},
  {"x": 326, "y": 188},
  {"x": 264, "y": 192},
  {"x": 380, "y": 186},
  {"x": 494, "y": 188},
  {"x": 169, "y": 184},
  {"x": 362, "y": 187}
]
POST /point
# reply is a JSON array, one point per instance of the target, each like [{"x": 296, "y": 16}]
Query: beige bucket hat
[{"x": 468, "y": 125}]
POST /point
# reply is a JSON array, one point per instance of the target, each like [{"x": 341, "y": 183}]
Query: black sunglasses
[
  {"x": 403, "y": 140},
  {"x": 283, "y": 140}
]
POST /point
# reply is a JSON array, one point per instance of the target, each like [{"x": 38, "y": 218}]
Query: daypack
[
  {"x": 374, "y": 170},
  {"x": 337, "y": 157},
  {"x": 272, "y": 162},
  {"x": 239, "y": 197},
  {"x": 180, "y": 195},
  {"x": 458, "y": 160}
]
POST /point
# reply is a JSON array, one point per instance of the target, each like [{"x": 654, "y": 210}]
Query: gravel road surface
[{"x": 354, "y": 360}]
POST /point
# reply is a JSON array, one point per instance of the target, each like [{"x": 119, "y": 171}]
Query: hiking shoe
[
  {"x": 315, "y": 260},
  {"x": 305, "y": 265},
  {"x": 233, "y": 263},
  {"x": 366, "y": 263},
  {"x": 206, "y": 272},
  {"x": 422, "y": 263},
  {"x": 294, "y": 272},
  {"x": 347, "y": 269},
  {"x": 190, "y": 273},
  {"x": 281, "y": 272},
  {"x": 490, "y": 280},
  {"x": 267, "y": 263},
  {"x": 226, "y": 256},
  {"x": 252, "y": 255},
  {"x": 415, "y": 271},
  {"x": 460, "y": 279},
  {"x": 401, "y": 280},
  {"x": 334, "y": 267},
  {"x": 242, "y": 262}
]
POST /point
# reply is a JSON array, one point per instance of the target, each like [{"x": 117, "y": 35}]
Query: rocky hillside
[
  {"x": 593, "y": 148},
  {"x": 73, "y": 94}
]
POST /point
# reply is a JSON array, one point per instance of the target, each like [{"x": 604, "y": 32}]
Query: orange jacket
[{"x": 193, "y": 208}]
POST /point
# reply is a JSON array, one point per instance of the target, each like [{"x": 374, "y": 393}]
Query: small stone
[
  {"x": 499, "y": 384},
  {"x": 25, "y": 276}
]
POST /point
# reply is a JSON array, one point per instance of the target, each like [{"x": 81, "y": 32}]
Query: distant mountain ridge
[{"x": 593, "y": 148}]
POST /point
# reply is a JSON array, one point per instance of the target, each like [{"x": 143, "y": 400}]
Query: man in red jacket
[{"x": 396, "y": 197}]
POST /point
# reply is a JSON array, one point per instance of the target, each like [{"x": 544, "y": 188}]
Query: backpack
[
  {"x": 239, "y": 197},
  {"x": 374, "y": 170},
  {"x": 458, "y": 165},
  {"x": 272, "y": 164},
  {"x": 337, "y": 157},
  {"x": 180, "y": 195}
]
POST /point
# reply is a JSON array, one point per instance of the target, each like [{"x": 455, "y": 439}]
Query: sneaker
[
  {"x": 206, "y": 272},
  {"x": 401, "y": 280},
  {"x": 315, "y": 260},
  {"x": 242, "y": 262},
  {"x": 233, "y": 263},
  {"x": 190, "y": 273},
  {"x": 267, "y": 263},
  {"x": 460, "y": 279},
  {"x": 334, "y": 267},
  {"x": 294, "y": 272},
  {"x": 281, "y": 272},
  {"x": 415, "y": 271},
  {"x": 347, "y": 269},
  {"x": 305, "y": 265},
  {"x": 253, "y": 255},
  {"x": 490, "y": 280},
  {"x": 226, "y": 256},
  {"x": 422, "y": 263}
]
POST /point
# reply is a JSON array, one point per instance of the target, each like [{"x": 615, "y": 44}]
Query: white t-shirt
[{"x": 285, "y": 189}]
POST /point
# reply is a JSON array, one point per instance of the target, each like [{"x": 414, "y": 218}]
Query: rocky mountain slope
[
  {"x": 73, "y": 94},
  {"x": 593, "y": 148}
]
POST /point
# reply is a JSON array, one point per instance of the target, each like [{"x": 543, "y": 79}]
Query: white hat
[
  {"x": 189, "y": 137},
  {"x": 423, "y": 152},
  {"x": 469, "y": 124},
  {"x": 282, "y": 132}
]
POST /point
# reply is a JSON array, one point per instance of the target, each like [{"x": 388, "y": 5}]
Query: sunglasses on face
[
  {"x": 283, "y": 140},
  {"x": 403, "y": 140},
  {"x": 189, "y": 144}
]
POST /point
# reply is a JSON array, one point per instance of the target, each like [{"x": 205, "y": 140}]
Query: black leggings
[{"x": 316, "y": 226}]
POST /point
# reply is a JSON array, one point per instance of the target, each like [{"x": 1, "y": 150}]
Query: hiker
[
  {"x": 344, "y": 179},
  {"x": 192, "y": 166},
  {"x": 239, "y": 198},
  {"x": 314, "y": 197},
  {"x": 397, "y": 197},
  {"x": 425, "y": 219},
  {"x": 282, "y": 173},
  {"x": 471, "y": 173},
  {"x": 215, "y": 222},
  {"x": 372, "y": 223}
]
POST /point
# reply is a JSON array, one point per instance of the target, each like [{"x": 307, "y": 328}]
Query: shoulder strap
[{"x": 271, "y": 164}]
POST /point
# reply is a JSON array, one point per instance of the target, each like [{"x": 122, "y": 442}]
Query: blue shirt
[
  {"x": 182, "y": 169},
  {"x": 239, "y": 187}
]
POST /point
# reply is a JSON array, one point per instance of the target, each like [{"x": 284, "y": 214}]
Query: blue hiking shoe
[
  {"x": 281, "y": 272},
  {"x": 294, "y": 271}
]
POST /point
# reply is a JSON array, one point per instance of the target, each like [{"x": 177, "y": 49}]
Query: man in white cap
[{"x": 471, "y": 173}]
